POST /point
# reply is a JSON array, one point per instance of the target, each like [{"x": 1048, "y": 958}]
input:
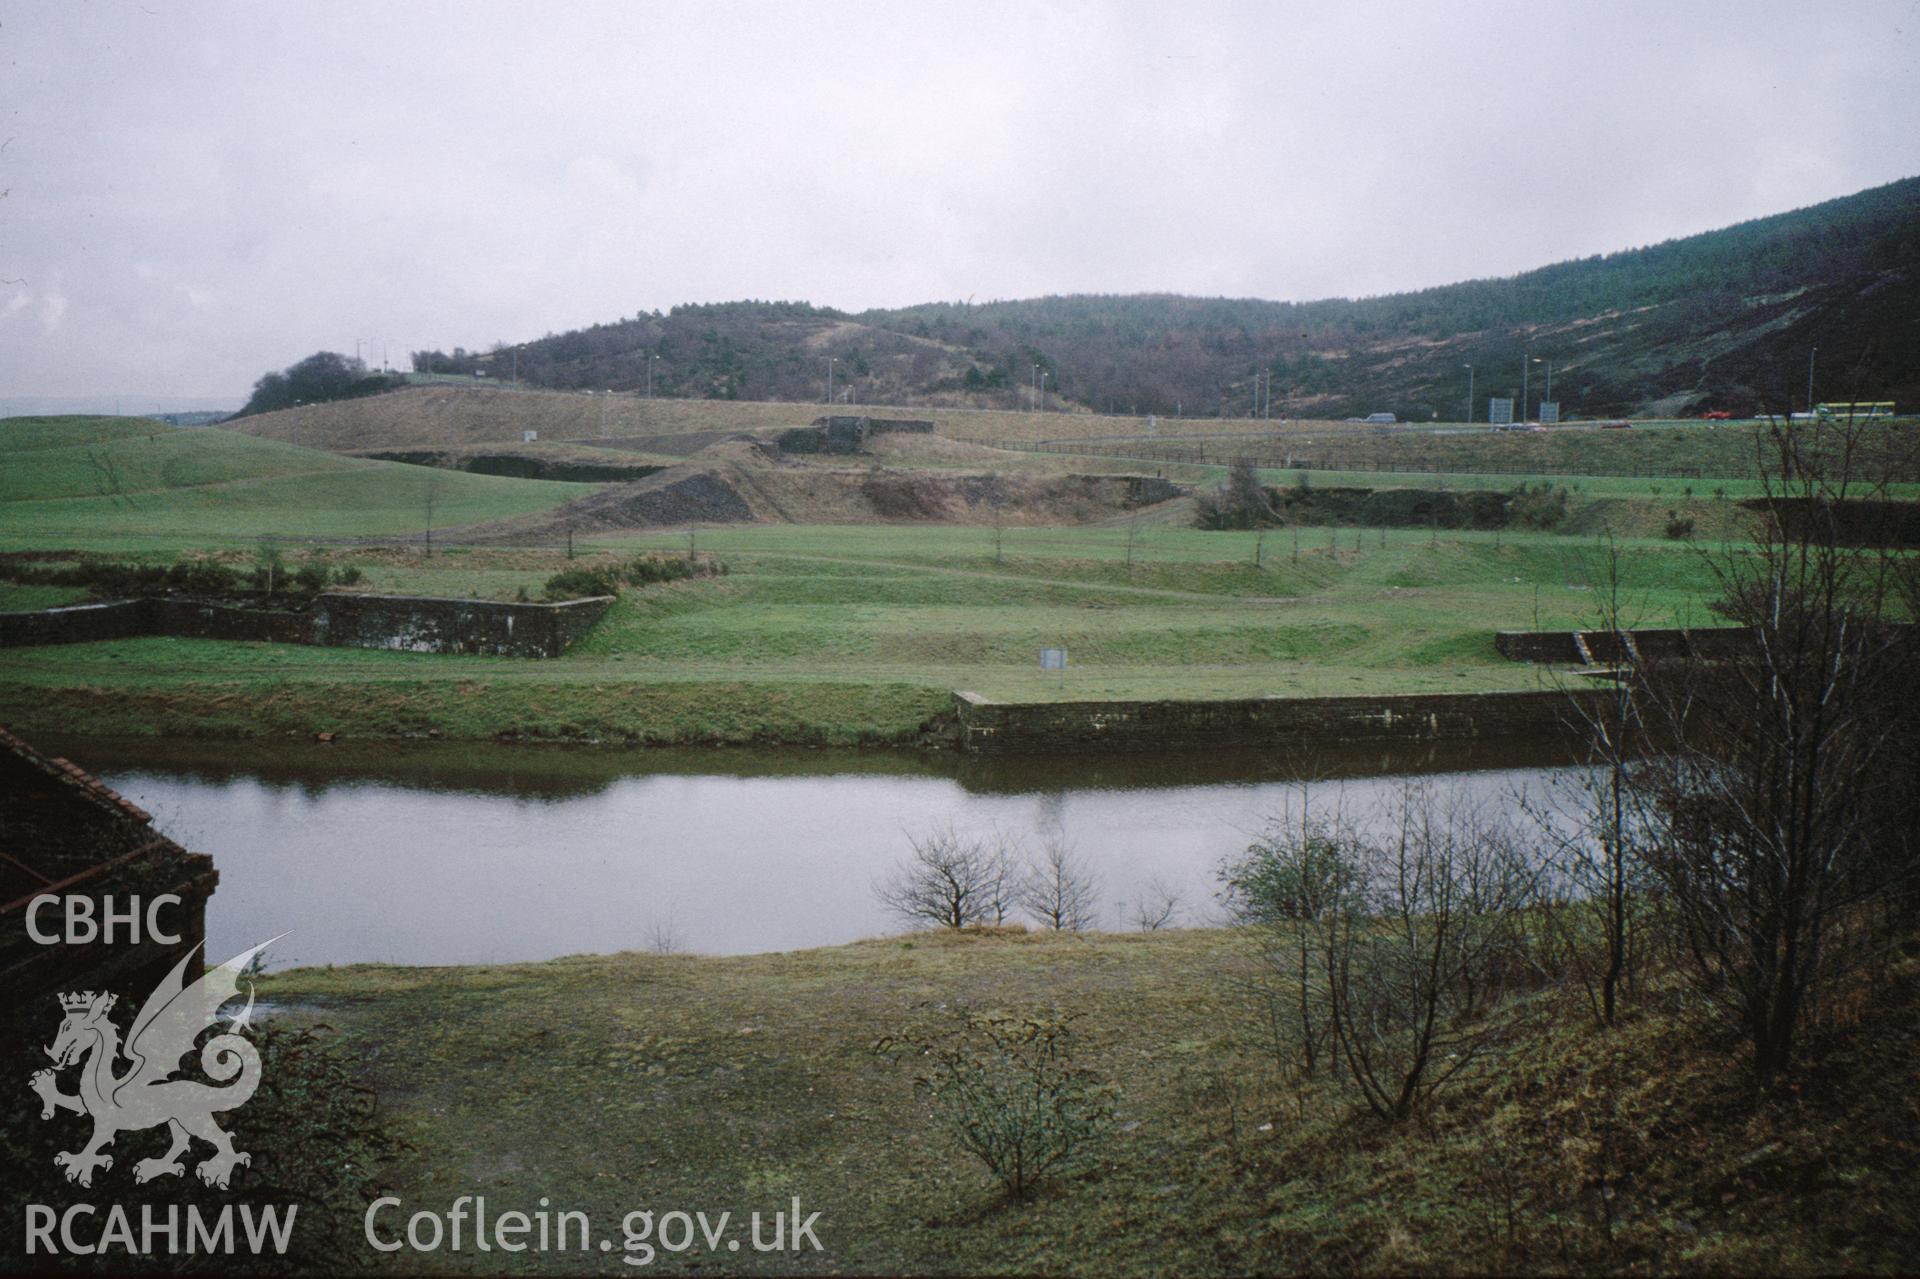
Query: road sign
[
  {"x": 1053, "y": 659},
  {"x": 1549, "y": 412},
  {"x": 1499, "y": 412}
]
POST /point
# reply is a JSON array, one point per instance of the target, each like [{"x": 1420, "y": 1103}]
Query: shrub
[
  {"x": 656, "y": 568},
  {"x": 1289, "y": 877},
  {"x": 582, "y": 583},
  {"x": 1396, "y": 953},
  {"x": 350, "y": 575},
  {"x": 111, "y": 578},
  {"x": 269, "y": 569},
  {"x": 310, "y": 578},
  {"x": 1239, "y": 502},
  {"x": 1541, "y": 507},
  {"x": 1007, "y": 1089},
  {"x": 952, "y": 881},
  {"x": 201, "y": 577},
  {"x": 318, "y": 1140},
  {"x": 1060, "y": 889},
  {"x": 1679, "y": 527}
]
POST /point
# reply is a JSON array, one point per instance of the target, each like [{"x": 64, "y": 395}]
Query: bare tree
[
  {"x": 1780, "y": 824},
  {"x": 951, "y": 881},
  {"x": 1059, "y": 889},
  {"x": 1588, "y": 819},
  {"x": 106, "y": 474},
  {"x": 1419, "y": 948},
  {"x": 1157, "y": 908},
  {"x": 663, "y": 936},
  {"x": 432, "y": 496},
  {"x": 1290, "y": 878}
]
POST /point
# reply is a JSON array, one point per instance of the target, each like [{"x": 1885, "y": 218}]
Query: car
[
  {"x": 1718, "y": 415},
  {"x": 1618, "y": 424},
  {"x": 1381, "y": 419}
]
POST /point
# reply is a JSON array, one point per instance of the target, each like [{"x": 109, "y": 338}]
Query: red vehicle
[{"x": 1718, "y": 415}]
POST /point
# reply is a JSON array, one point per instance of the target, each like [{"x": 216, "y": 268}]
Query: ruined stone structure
[
  {"x": 64, "y": 833},
  {"x": 416, "y": 624},
  {"x": 1591, "y": 648},
  {"x": 843, "y": 434}
]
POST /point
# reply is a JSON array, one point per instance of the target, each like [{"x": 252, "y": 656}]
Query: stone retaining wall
[
  {"x": 75, "y": 624},
  {"x": 995, "y": 728},
  {"x": 426, "y": 625},
  {"x": 1585, "y": 648},
  {"x": 417, "y": 624},
  {"x": 1589, "y": 648},
  {"x": 214, "y": 619}
]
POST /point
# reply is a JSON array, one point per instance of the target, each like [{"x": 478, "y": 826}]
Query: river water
[{"x": 439, "y": 854}]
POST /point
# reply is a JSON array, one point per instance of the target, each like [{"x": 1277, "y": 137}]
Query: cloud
[
  {"x": 220, "y": 190},
  {"x": 53, "y": 310}
]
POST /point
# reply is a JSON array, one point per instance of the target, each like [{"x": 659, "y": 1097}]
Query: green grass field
[
  {"x": 108, "y": 483},
  {"x": 859, "y": 633},
  {"x": 817, "y": 634}
]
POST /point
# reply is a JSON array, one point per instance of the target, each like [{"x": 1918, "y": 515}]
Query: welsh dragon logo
[{"x": 146, "y": 1094}]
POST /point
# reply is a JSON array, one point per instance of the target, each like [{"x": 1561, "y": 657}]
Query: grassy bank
[
  {"x": 667, "y": 1081},
  {"x": 859, "y": 634},
  {"x": 109, "y": 483}
]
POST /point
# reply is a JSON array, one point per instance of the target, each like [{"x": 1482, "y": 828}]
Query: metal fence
[{"x": 1280, "y": 459}]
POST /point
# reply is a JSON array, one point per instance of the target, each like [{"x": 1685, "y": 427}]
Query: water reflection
[{"x": 457, "y": 854}]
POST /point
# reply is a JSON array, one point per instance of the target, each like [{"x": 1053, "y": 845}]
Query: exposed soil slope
[{"x": 746, "y": 479}]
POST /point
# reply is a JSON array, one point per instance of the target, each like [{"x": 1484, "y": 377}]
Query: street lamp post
[
  {"x": 1810, "y": 355},
  {"x": 1043, "y": 390},
  {"x": 1469, "y": 369},
  {"x": 1526, "y": 371},
  {"x": 651, "y": 361},
  {"x": 831, "y": 361}
]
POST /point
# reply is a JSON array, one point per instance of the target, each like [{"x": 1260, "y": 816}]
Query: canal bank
[
  {"x": 275, "y": 703},
  {"x": 986, "y": 727}
]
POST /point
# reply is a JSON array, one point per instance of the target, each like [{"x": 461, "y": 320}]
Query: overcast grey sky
[{"x": 198, "y": 192}]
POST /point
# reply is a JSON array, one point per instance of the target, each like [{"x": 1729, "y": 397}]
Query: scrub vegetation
[{"x": 735, "y": 1084}]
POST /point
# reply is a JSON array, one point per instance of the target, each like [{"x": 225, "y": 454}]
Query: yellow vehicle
[{"x": 1853, "y": 410}]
